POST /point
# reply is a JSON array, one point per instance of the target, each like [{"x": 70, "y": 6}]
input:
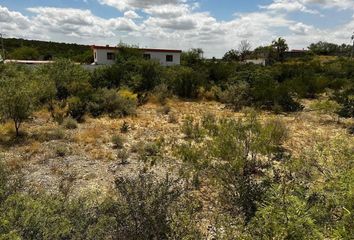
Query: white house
[{"x": 105, "y": 55}]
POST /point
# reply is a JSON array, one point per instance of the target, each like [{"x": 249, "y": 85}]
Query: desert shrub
[
  {"x": 164, "y": 110},
  {"x": 150, "y": 152},
  {"x": 19, "y": 97},
  {"x": 345, "y": 98},
  {"x": 113, "y": 103},
  {"x": 161, "y": 93},
  {"x": 145, "y": 206},
  {"x": 69, "y": 79},
  {"x": 209, "y": 122},
  {"x": 107, "y": 77},
  {"x": 236, "y": 153},
  {"x": 118, "y": 141},
  {"x": 185, "y": 81},
  {"x": 70, "y": 123},
  {"x": 194, "y": 162},
  {"x": 237, "y": 95},
  {"x": 328, "y": 107},
  {"x": 58, "y": 110},
  {"x": 172, "y": 118},
  {"x": 125, "y": 127},
  {"x": 77, "y": 108},
  {"x": 123, "y": 156},
  {"x": 61, "y": 151},
  {"x": 192, "y": 129}
]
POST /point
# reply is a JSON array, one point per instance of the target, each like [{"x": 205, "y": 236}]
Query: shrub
[
  {"x": 185, "y": 81},
  {"x": 146, "y": 205},
  {"x": 58, "y": 110},
  {"x": 237, "y": 95},
  {"x": 70, "y": 123},
  {"x": 164, "y": 110},
  {"x": 76, "y": 108},
  {"x": 172, "y": 118},
  {"x": 18, "y": 98},
  {"x": 161, "y": 93},
  {"x": 116, "y": 104},
  {"x": 125, "y": 127},
  {"x": 149, "y": 153},
  {"x": 192, "y": 129},
  {"x": 123, "y": 156},
  {"x": 61, "y": 151},
  {"x": 118, "y": 141}
]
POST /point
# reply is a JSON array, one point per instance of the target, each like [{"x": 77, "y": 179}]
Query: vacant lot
[{"x": 49, "y": 155}]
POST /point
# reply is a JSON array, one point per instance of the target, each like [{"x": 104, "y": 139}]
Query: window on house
[
  {"x": 95, "y": 55},
  {"x": 169, "y": 58},
  {"x": 111, "y": 56},
  {"x": 147, "y": 56}
]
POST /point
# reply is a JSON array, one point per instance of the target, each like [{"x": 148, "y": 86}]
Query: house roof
[{"x": 142, "y": 49}]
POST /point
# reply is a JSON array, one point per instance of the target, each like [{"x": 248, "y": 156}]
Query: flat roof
[
  {"x": 142, "y": 49},
  {"x": 27, "y": 61}
]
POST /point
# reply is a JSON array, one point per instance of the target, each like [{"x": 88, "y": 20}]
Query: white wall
[
  {"x": 161, "y": 57},
  {"x": 101, "y": 57}
]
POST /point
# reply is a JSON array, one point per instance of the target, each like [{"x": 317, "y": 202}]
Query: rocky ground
[{"x": 53, "y": 158}]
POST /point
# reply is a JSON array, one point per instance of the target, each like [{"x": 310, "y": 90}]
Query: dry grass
[
  {"x": 91, "y": 135},
  {"x": 91, "y": 152}
]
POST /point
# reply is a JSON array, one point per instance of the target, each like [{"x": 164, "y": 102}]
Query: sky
[{"x": 216, "y": 26}]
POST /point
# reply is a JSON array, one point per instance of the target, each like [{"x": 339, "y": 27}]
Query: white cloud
[
  {"x": 131, "y": 14},
  {"x": 306, "y": 5},
  {"x": 340, "y": 4},
  {"x": 79, "y": 23},
  {"x": 289, "y": 6},
  {"x": 135, "y": 4}
]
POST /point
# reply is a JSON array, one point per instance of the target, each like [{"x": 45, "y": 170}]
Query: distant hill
[{"x": 23, "y": 49}]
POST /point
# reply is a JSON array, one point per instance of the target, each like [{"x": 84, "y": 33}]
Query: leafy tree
[
  {"x": 25, "y": 53},
  {"x": 19, "y": 97},
  {"x": 280, "y": 46},
  {"x": 192, "y": 58},
  {"x": 232, "y": 55}
]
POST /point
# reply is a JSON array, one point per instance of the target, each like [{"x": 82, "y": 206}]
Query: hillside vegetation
[
  {"x": 23, "y": 49},
  {"x": 205, "y": 150}
]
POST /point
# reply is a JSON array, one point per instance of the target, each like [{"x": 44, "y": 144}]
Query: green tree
[
  {"x": 280, "y": 46},
  {"x": 25, "y": 53},
  {"x": 19, "y": 97},
  {"x": 232, "y": 55}
]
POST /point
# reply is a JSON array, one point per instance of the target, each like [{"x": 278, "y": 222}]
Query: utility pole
[
  {"x": 2, "y": 46},
  {"x": 351, "y": 55}
]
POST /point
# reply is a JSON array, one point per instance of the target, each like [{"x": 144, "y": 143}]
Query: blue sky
[{"x": 214, "y": 25}]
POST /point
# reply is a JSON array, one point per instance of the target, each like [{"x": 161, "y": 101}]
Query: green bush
[
  {"x": 19, "y": 97},
  {"x": 77, "y": 108},
  {"x": 70, "y": 123},
  {"x": 237, "y": 95},
  {"x": 192, "y": 129},
  {"x": 118, "y": 141},
  {"x": 111, "y": 102},
  {"x": 161, "y": 93}
]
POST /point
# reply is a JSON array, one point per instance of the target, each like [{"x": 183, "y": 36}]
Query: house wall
[
  {"x": 100, "y": 57},
  {"x": 161, "y": 57}
]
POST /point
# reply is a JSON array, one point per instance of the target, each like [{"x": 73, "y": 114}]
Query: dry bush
[
  {"x": 70, "y": 123},
  {"x": 34, "y": 148},
  {"x": 101, "y": 154},
  {"x": 49, "y": 134},
  {"x": 89, "y": 136}
]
